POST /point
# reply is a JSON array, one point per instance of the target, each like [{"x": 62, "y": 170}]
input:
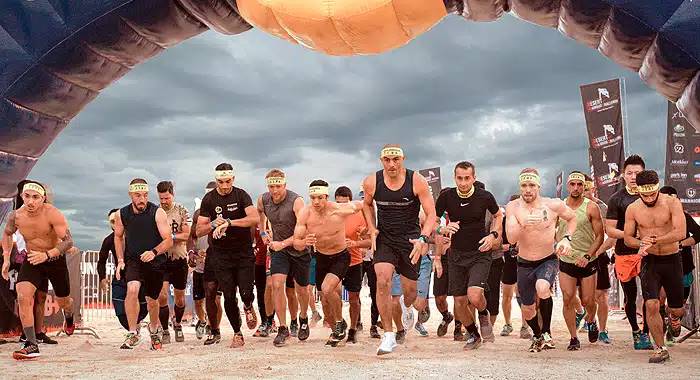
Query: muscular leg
[
  {"x": 292, "y": 302},
  {"x": 164, "y": 310},
  {"x": 408, "y": 288},
  {"x": 544, "y": 293},
  {"x": 199, "y": 310},
  {"x": 601, "y": 297},
  {"x": 131, "y": 304},
  {"x": 507, "y": 302},
  {"x": 39, "y": 310},
  {"x": 461, "y": 310},
  {"x": 396, "y": 313},
  {"x": 153, "y": 309},
  {"x": 331, "y": 298},
  {"x": 179, "y": 305},
  {"x": 588, "y": 297},
  {"x": 568, "y": 289},
  {"x": 302, "y": 295},
  {"x": 312, "y": 298},
  {"x": 280, "y": 297},
  {"x": 384, "y": 272},
  {"x": 269, "y": 299},
  {"x": 25, "y": 298},
  {"x": 354, "y": 308},
  {"x": 441, "y": 303},
  {"x": 655, "y": 322}
]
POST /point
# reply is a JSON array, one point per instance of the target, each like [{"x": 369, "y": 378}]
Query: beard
[{"x": 651, "y": 204}]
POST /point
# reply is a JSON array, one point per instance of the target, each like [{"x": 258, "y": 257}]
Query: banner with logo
[
  {"x": 602, "y": 108},
  {"x": 683, "y": 159},
  {"x": 560, "y": 184},
  {"x": 432, "y": 175}
]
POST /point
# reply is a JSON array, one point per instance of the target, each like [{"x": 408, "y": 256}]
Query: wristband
[
  {"x": 495, "y": 234},
  {"x": 439, "y": 230},
  {"x": 173, "y": 236},
  {"x": 587, "y": 257},
  {"x": 155, "y": 252},
  {"x": 213, "y": 226},
  {"x": 423, "y": 238},
  {"x": 263, "y": 234},
  {"x": 567, "y": 237}
]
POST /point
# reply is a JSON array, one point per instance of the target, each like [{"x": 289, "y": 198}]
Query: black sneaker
[
  {"x": 45, "y": 339},
  {"x": 339, "y": 331},
  {"x": 282, "y": 335},
  {"x": 212, "y": 339},
  {"x": 374, "y": 332},
  {"x": 473, "y": 342},
  {"x": 458, "y": 334},
  {"x": 30, "y": 351},
  {"x": 444, "y": 324},
  {"x": 294, "y": 328},
  {"x": 351, "y": 336},
  {"x": 574, "y": 344},
  {"x": 359, "y": 326},
  {"x": 303, "y": 329},
  {"x": 401, "y": 337},
  {"x": 536, "y": 345},
  {"x": 22, "y": 338},
  {"x": 424, "y": 315},
  {"x": 331, "y": 342},
  {"x": 593, "y": 332}
]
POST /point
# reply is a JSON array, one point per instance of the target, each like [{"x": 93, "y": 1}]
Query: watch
[
  {"x": 494, "y": 233},
  {"x": 567, "y": 237},
  {"x": 423, "y": 238},
  {"x": 155, "y": 252},
  {"x": 587, "y": 257}
]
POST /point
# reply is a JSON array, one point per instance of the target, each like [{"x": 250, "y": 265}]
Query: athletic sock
[
  {"x": 535, "y": 326},
  {"x": 30, "y": 334},
  {"x": 645, "y": 329},
  {"x": 179, "y": 312},
  {"x": 68, "y": 315},
  {"x": 445, "y": 314},
  {"x": 546, "y": 306},
  {"x": 484, "y": 313},
  {"x": 473, "y": 330},
  {"x": 164, "y": 315},
  {"x": 215, "y": 332}
]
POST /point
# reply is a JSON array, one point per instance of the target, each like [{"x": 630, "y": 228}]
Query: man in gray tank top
[{"x": 282, "y": 207}]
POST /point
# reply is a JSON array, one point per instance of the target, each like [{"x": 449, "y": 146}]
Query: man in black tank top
[
  {"x": 227, "y": 213},
  {"x": 142, "y": 237},
  {"x": 398, "y": 241}
]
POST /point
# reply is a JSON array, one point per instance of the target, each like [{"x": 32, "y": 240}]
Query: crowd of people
[{"x": 287, "y": 252}]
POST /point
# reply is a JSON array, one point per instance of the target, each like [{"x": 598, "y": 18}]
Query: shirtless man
[
  {"x": 45, "y": 231},
  {"x": 531, "y": 222},
  {"x": 655, "y": 224},
  {"x": 398, "y": 240},
  {"x": 321, "y": 226}
]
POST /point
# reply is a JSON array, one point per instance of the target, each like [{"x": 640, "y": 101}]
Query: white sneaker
[
  {"x": 407, "y": 316},
  {"x": 388, "y": 343}
]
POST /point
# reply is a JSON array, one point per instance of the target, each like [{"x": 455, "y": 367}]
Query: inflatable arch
[{"x": 57, "y": 55}]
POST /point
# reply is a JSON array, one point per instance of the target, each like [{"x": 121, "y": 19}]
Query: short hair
[
  {"x": 391, "y": 146},
  {"x": 577, "y": 172},
  {"x": 211, "y": 185},
  {"x": 224, "y": 166},
  {"x": 529, "y": 170},
  {"x": 587, "y": 177},
  {"x": 647, "y": 177},
  {"x": 634, "y": 160},
  {"x": 514, "y": 197},
  {"x": 112, "y": 211},
  {"x": 318, "y": 182},
  {"x": 669, "y": 190},
  {"x": 343, "y": 191},
  {"x": 479, "y": 185},
  {"x": 137, "y": 180},
  {"x": 465, "y": 165},
  {"x": 275, "y": 173},
  {"x": 165, "y": 187}
]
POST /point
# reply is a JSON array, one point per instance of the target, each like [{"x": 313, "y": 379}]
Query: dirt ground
[{"x": 421, "y": 357}]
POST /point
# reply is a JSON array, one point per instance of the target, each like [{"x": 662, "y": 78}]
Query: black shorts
[
  {"x": 149, "y": 274},
  {"x": 510, "y": 270},
  {"x": 603, "y": 272},
  {"x": 441, "y": 284},
  {"x": 296, "y": 267},
  {"x": 353, "y": 278},
  {"x": 234, "y": 269},
  {"x": 397, "y": 256},
  {"x": 198, "y": 286},
  {"x": 493, "y": 294},
  {"x": 576, "y": 271},
  {"x": 336, "y": 264},
  {"x": 176, "y": 273},
  {"x": 531, "y": 271},
  {"x": 39, "y": 275},
  {"x": 468, "y": 270},
  {"x": 663, "y": 272}
]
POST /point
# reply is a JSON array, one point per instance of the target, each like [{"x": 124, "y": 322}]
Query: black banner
[
  {"x": 602, "y": 108},
  {"x": 432, "y": 175},
  {"x": 683, "y": 159}
]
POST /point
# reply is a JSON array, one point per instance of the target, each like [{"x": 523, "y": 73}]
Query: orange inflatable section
[{"x": 344, "y": 27}]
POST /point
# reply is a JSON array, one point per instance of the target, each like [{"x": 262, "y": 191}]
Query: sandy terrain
[{"x": 429, "y": 357}]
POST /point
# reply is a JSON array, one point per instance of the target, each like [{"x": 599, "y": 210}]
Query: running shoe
[
  {"x": 579, "y": 319},
  {"x": 421, "y": 329},
  {"x": 574, "y": 344},
  {"x": 359, "y": 326},
  {"x": 315, "y": 318},
  {"x": 603, "y": 337},
  {"x": 675, "y": 326},
  {"x": 207, "y": 330},
  {"x": 282, "y": 335},
  {"x": 536, "y": 345},
  {"x": 351, "y": 336},
  {"x": 388, "y": 344},
  {"x": 212, "y": 339},
  {"x": 593, "y": 332},
  {"x": 339, "y": 331},
  {"x": 458, "y": 334},
  {"x": 166, "y": 337},
  {"x": 401, "y": 337},
  {"x": 30, "y": 351},
  {"x": 525, "y": 333},
  {"x": 507, "y": 330},
  {"x": 200, "y": 329},
  {"x": 45, "y": 339},
  {"x": 486, "y": 328},
  {"x": 331, "y": 342},
  {"x": 294, "y": 328},
  {"x": 69, "y": 325},
  {"x": 273, "y": 327},
  {"x": 660, "y": 356},
  {"x": 547, "y": 342},
  {"x": 444, "y": 324},
  {"x": 645, "y": 342},
  {"x": 407, "y": 317},
  {"x": 303, "y": 333},
  {"x": 473, "y": 342},
  {"x": 179, "y": 335},
  {"x": 424, "y": 315},
  {"x": 238, "y": 341},
  {"x": 156, "y": 342},
  {"x": 261, "y": 332},
  {"x": 132, "y": 340},
  {"x": 374, "y": 332},
  {"x": 251, "y": 319}
]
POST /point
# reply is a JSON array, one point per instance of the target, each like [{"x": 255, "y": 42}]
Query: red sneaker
[{"x": 251, "y": 319}]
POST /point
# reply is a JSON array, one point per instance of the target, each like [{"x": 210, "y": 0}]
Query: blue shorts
[{"x": 423, "y": 283}]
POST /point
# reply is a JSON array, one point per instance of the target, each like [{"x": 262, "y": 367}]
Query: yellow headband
[
  {"x": 275, "y": 181},
  {"x": 318, "y": 190},
  {"x": 530, "y": 177},
  {"x": 392, "y": 151},
  {"x": 34, "y": 187},
  {"x": 588, "y": 185},
  {"x": 138, "y": 187},
  {"x": 576, "y": 177},
  {"x": 646, "y": 189},
  {"x": 222, "y": 174}
]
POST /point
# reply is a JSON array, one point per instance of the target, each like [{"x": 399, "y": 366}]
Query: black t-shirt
[
  {"x": 105, "y": 251},
  {"x": 471, "y": 214},
  {"x": 230, "y": 206},
  {"x": 692, "y": 229},
  {"x": 617, "y": 206}
]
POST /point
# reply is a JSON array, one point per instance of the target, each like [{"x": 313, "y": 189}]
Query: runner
[
  {"x": 176, "y": 268},
  {"x": 627, "y": 259},
  {"x": 142, "y": 238},
  {"x": 262, "y": 281},
  {"x": 282, "y": 207},
  {"x": 493, "y": 291},
  {"x": 509, "y": 279},
  {"x": 207, "y": 298},
  {"x": 227, "y": 213},
  {"x": 658, "y": 221},
  {"x": 45, "y": 232},
  {"x": 356, "y": 239},
  {"x": 603, "y": 284},
  {"x": 321, "y": 226},
  {"x": 397, "y": 240},
  {"x": 580, "y": 265},
  {"x": 470, "y": 247},
  {"x": 531, "y": 222},
  {"x": 368, "y": 270}
]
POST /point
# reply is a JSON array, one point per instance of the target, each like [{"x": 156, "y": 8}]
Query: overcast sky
[{"x": 504, "y": 95}]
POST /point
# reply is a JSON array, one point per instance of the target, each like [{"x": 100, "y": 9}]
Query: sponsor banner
[
  {"x": 602, "y": 108},
  {"x": 432, "y": 175},
  {"x": 683, "y": 159}
]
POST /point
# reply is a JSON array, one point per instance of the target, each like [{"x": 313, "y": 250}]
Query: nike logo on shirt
[{"x": 464, "y": 204}]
